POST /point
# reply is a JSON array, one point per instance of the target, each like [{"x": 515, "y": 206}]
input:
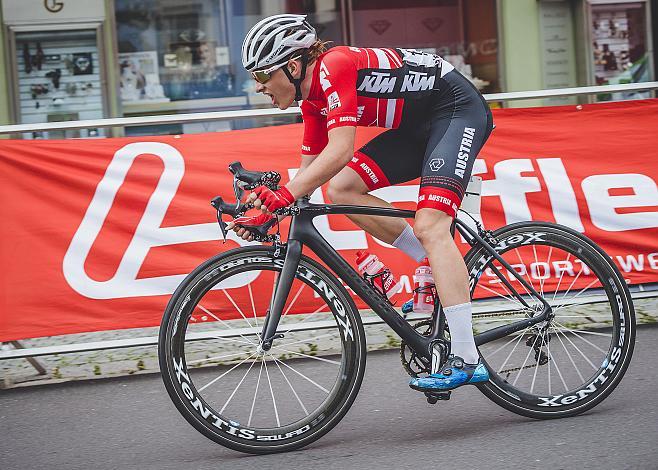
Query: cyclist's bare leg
[
  {"x": 432, "y": 228},
  {"x": 347, "y": 187}
]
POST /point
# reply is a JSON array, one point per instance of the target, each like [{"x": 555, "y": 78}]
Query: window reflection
[{"x": 464, "y": 33}]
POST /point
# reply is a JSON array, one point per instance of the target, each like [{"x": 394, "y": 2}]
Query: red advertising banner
[{"x": 96, "y": 234}]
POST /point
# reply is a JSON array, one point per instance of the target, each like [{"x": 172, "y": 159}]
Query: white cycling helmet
[{"x": 272, "y": 40}]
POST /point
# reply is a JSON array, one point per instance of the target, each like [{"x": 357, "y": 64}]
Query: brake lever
[{"x": 234, "y": 210}]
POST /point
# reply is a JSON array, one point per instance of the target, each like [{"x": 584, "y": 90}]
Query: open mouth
[{"x": 271, "y": 97}]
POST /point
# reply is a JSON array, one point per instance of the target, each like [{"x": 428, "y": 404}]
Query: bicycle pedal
[{"x": 433, "y": 397}]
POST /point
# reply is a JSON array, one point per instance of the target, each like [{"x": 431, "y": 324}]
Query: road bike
[{"x": 262, "y": 349}]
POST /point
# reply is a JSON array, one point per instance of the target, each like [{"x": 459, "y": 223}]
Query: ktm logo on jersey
[
  {"x": 395, "y": 83},
  {"x": 417, "y": 81},
  {"x": 377, "y": 82}
]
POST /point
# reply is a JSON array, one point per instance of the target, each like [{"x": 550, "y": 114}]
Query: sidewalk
[{"x": 144, "y": 359}]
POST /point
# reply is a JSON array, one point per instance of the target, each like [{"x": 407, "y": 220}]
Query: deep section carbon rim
[
  {"x": 239, "y": 395},
  {"x": 572, "y": 361}
]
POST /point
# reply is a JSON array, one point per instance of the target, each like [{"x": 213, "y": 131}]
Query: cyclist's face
[{"x": 279, "y": 88}]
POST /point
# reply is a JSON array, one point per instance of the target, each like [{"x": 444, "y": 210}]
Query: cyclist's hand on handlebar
[
  {"x": 241, "y": 225},
  {"x": 269, "y": 201}
]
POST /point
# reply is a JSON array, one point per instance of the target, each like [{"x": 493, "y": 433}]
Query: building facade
[{"x": 87, "y": 59}]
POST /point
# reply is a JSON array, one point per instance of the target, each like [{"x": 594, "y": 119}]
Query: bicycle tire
[
  {"x": 196, "y": 409},
  {"x": 620, "y": 328}
]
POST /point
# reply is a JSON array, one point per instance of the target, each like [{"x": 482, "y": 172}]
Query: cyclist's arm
[
  {"x": 306, "y": 161},
  {"x": 338, "y": 82},
  {"x": 335, "y": 156}
]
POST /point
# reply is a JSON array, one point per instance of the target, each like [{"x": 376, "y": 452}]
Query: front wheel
[
  {"x": 574, "y": 360},
  {"x": 231, "y": 390}
]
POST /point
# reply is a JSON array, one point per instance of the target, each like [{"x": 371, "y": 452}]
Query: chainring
[{"x": 413, "y": 365}]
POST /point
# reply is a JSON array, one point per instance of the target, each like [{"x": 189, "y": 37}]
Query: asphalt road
[{"x": 129, "y": 422}]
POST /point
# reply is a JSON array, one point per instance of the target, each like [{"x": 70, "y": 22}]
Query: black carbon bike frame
[{"x": 303, "y": 232}]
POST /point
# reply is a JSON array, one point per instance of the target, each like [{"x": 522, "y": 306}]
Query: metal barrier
[
  {"x": 261, "y": 113},
  {"x": 20, "y": 352}
]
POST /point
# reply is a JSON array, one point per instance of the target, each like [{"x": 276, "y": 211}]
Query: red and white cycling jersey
[{"x": 354, "y": 86}]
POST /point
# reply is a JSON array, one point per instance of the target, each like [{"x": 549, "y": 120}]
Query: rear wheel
[
  {"x": 240, "y": 396},
  {"x": 570, "y": 363}
]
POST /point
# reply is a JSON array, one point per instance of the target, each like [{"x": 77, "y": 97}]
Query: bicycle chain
[{"x": 514, "y": 369}]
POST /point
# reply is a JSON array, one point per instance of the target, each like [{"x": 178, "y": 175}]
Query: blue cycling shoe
[
  {"x": 408, "y": 307},
  {"x": 453, "y": 374}
]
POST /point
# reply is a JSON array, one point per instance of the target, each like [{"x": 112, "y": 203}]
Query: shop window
[
  {"x": 185, "y": 56},
  {"x": 463, "y": 32},
  {"x": 173, "y": 51},
  {"x": 619, "y": 46},
  {"x": 59, "y": 79}
]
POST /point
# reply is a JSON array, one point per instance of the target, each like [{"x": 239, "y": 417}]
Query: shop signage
[
  {"x": 98, "y": 233},
  {"x": 558, "y": 52},
  {"x": 31, "y": 12}
]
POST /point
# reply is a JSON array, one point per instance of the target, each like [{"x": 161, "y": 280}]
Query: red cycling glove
[
  {"x": 253, "y": 220},
  {"x": 274, "y": 200}
]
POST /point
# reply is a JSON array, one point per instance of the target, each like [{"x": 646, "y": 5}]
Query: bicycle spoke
[
  {"x": 308, "y": 315},
  {"x": 534, "y": 376},
  {"x": 305, "y": 340},
  {"x": 226, "y": 324},
  {"x": 236, "y": 307},
  {"x": 532, "y": 348},
  {"x": 581, "y": 316},
  {"x": 299, "y": 400},
  {"x": 569, "y": 356},
  {"x": 573, "y": 282},
  {"x": 302, "y": 375},
  {"x": 511, "y": 299},
  {"x": 236, "y": 388},
  {"x": 548, "y": 262},
  {"x": 578, "y": 349},
  {"x": 276, "y": 411},
  {"x": 559, "y": 282},
  {"x": 580, "y": 337},
  {"x": 221, "y": 376},
  {"x": 576, "y": 296},
  {"x": 294, "y": 299},
  {"x": 595, "y": 333},
  {"x": 232, "y": 340},
  {"x": 557, "y": 368},
  {"x": 550, "y": 359},
  {"x": 253, "y": 307},
  {"x": 512, "y": 295},
  {"x": 513, "y": 338},
  {"x": 317, "y": 358},
  {"x": 527, "y": 274},
  {"x": 510, "y": 354},
  {"x": 215, "y": 358},
  {"x": 253, "y": 402}
]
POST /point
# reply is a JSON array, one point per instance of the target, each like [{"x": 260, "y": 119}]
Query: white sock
[
  {"x": 410, "y": 245},
  {"x": 460, "y": 323}
]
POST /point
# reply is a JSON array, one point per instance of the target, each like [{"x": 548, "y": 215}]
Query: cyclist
[{"x": 437, "y": 121}]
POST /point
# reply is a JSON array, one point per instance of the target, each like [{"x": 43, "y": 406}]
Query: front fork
[{"x": 281, "y": 291}]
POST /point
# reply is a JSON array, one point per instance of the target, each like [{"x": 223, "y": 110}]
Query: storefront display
[
  {"x": 173, "y": 51},
  {"x": 59, "y": 79},
  {"x": 620, "y": 52},
  {"x": 139, "y": 78}
]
